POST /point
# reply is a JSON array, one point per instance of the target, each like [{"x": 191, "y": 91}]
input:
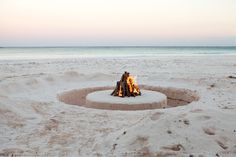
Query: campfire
[{"x": 127, "y": 86}]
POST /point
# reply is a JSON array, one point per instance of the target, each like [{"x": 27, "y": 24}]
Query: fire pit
[
  {"x": 127, "y": 96},
  {"x": 148, "y": 100},
  {"x": 127, "y": 86}
]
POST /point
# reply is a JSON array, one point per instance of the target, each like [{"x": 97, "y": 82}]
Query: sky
[{"x": 117, "y": 22}]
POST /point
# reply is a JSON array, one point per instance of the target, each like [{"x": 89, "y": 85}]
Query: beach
[{"x": 34, "y": 122}]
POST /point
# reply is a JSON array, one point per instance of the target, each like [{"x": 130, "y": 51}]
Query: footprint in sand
[
  {"x": 140, "y": 140},
  {"x": 140, "y": 146},
  {"x": 186, "y": 121},
  {"x": 155, "y": 116},
  {"x": 209, "y": 130},
  {"x": 52, "y": 124},
  {"x": 175, "y": 147},
  {"x": 222, "y": 144},
  {"x": 196, "y": 110},
  {"x": 203, "y": 117}
]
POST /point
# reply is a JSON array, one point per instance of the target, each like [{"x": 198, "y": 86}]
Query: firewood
[{"x": 126, "y": 87}]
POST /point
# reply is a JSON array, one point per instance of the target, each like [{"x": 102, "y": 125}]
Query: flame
[
  {"x": 127, "y": 86},
  {"x": 133, "y": 86}
]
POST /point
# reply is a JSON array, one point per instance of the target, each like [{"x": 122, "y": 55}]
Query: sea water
[{"x": 117, "y": 51}]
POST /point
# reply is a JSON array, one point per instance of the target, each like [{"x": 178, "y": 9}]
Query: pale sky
[{"x": 117, "y": 22}]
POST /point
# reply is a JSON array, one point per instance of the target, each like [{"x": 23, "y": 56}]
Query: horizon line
[{"x": 112, "y": 46}]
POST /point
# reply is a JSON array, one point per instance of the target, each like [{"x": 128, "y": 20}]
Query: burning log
[{"x": 126, "y": 86}]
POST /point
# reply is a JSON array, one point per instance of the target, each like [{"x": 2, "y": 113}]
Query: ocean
[{"x": 116, "y": 51}]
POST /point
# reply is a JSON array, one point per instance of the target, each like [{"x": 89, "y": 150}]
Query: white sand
[
  {"x": 147, "y": 97},
  {"x": 34, "y": 122},
  {"x": 148, "y": 100}
]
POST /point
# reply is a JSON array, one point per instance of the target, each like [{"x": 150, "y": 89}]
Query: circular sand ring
[{"x": 104, "y": 100}]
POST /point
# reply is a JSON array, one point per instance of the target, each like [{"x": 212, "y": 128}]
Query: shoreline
[{"x": 52, "y": 57}]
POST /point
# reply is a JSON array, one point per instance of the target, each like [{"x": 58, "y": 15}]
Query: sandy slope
[{"x": 34, "y": 122}]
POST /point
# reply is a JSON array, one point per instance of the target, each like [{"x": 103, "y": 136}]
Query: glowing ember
[{"x": 127, "y": 86}]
